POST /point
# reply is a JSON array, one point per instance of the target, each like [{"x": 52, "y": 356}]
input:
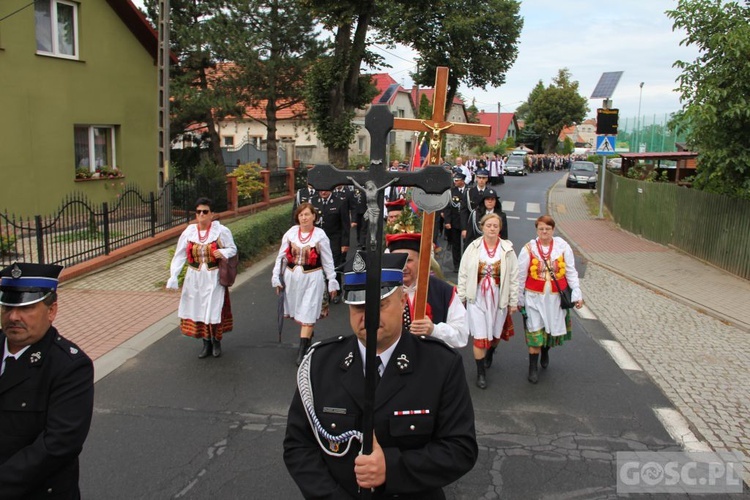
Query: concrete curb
[{"x": 115, "y": 358}]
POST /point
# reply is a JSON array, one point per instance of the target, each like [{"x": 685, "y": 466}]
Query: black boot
[
  {"x": 304, "y": 343},
  {"x": 545, "y": 357},
  {"x": 481, "y": 379},
  {"x": 533, "y": 369},
  {"x": 489, "y": 356},
  {"x": 206, "y": 349},
  {"x": 217, "y": 348}
]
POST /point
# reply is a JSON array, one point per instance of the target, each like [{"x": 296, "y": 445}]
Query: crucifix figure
[
  {"x": 436, "y": 127},
  {"x": 432, "y": 179}
]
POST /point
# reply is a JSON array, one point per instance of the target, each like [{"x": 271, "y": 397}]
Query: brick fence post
[
  {"x": 233, "y": 204},
  {"x": 290, "y": 180},
  {"x": 266, "y": 175}
]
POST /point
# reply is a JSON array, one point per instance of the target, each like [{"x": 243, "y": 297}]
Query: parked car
[
  {"x": 582, "y": 173},
  {"x": 516, "y": 165}
]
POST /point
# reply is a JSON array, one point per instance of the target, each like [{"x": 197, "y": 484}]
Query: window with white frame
[
  {"x": 228, "y": 141},
  {"x": 56, "y": 28},
  {"x": 95, "y": 147}
]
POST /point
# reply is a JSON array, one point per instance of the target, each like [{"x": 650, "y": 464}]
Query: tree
[
  {"x": 477, "y": 40},
  {"x": 270, "y": 65},
  {"x": 714, "y": 90},
  {"x": 443, "y": 33},
  {"x": 335, "y": 87},
  {"x": 555, "y": 107}
]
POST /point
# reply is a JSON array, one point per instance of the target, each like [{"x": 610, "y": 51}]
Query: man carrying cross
[{"x": 424, "y": 436}]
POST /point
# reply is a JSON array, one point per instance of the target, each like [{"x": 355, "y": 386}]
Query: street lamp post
[{"x": 638, "y": 133}]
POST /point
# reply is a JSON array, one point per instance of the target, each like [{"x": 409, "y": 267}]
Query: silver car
[{"x": 582, "y": 173}]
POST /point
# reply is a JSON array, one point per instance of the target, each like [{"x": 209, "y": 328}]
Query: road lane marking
[
  {"x": 533, "y": 208},
  {"x": 515, "y": 217},
  {"x": 624, "y": 360},
  {"x": 679, "y": 429},
  {"x": 508, "y": 206}
]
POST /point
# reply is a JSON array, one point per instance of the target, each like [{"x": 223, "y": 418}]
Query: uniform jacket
[
  {"x": 452, "y": 213},
  {"x": 46, "y": 402},
  {"x": 423, "y": 452},
  {"x": 472, "y": 201},
  {"x": 303, "y": 195},
  {"x": 333, "y": 218}
]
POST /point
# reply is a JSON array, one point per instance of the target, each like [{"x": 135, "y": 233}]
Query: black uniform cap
[{"x": 26, "y": 283}]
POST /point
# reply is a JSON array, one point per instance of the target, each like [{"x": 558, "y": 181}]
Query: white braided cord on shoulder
[{"x": 306, "y": 394}]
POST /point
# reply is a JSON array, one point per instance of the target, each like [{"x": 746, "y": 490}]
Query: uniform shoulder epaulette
[
  {"x": 68, "y": 347},
  {"x": 328, "y": 341}
]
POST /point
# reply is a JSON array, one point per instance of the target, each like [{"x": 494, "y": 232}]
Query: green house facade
[{"x": 78, "y": 101}]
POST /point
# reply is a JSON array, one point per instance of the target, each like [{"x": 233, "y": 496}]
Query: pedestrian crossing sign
[{"x": 605, "y": 144}]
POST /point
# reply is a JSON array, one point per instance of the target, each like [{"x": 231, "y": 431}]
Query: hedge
[{"x": 254, "y": 233}]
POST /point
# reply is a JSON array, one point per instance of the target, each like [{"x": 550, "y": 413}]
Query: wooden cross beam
[
  {"x": 433, "y": 179},
  {"x": 436, "y": 127}
]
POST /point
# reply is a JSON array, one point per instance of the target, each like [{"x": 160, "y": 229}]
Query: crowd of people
[{"x": 423, "y": 423}]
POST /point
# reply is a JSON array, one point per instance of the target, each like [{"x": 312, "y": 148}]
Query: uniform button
[
  {"x": 49, "y": 490},
  {"x": 333, "y": 426},
  {"x": 411, "y": 427},
  {"x": 23, "y": 405}
]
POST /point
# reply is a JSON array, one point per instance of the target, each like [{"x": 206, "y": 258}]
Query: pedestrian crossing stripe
[{"x": 605, "y": 144}]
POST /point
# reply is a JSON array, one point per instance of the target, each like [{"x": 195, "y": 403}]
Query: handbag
[
  {"x": 228, "y": 270},
  {"x": 566, "y": 294}
]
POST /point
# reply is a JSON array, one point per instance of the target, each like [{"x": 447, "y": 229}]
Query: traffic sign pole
[{"x": 601, "y": 187}]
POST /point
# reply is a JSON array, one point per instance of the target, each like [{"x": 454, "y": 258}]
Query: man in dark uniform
[
  {"x": 46, "y": 389},
  {"x": 452, "y": 216},
  {"x": 333, "y": 218},
  {"x": 302, "y": 195},
  {"x": 424, "y": 437}
]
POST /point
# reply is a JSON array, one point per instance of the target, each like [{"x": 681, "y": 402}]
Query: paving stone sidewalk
[{"x": 665, "y": 308}]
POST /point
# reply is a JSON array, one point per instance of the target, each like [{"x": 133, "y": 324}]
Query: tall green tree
[
  {"x": 477, "y": 40},
  {"x": 555, "y": 107},
  {"x": 714, "y": 90},
  {"x": 269, "y": 65}
]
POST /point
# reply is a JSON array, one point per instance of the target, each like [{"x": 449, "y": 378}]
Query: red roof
[
  {"x": 382, "y": 81},
  {"x": 139, "y": 26},
  {"x": 491, "y": 119}
]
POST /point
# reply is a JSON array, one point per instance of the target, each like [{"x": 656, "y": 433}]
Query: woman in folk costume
[
  {"x": 204, "y": 312},
  {"x": 547, "y": 324},
  {"x": 306, "y": 254},
  {"x": 487, "y": 282}
]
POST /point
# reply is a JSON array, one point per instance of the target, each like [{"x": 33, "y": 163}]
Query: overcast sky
[{"x": 589, "y": 38}]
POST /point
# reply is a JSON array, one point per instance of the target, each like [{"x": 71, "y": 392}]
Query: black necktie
[{"x": 10, "y": 361}]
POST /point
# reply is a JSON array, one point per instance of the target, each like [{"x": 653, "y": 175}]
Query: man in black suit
[
  {"x": 452, "y": 216},
  {"x": 46, "y": 389},
  {"x": 424, "y": 436},
  {"x": 333, "y": 218}
]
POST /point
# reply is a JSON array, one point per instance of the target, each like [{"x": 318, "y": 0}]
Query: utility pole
[
  {"x": 638, "y": 129},
  {"x": 163, "y": 84}
]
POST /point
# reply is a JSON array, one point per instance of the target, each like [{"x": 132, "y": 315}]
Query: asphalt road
[{"x": 168, "y": 425}]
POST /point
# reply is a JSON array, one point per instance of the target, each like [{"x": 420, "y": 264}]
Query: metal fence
[
  {"x": 80, "y": 230},
  {"x": 711, "y": 227}
]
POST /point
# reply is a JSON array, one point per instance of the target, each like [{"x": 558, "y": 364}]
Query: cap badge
[
  {"x": 402, "y": 362},
  {"x": 16, "y": 272},
  {"x": 359, "y": 266},
  {"x": 73, "y": 350},
  {"x": 35, "y": 357}
]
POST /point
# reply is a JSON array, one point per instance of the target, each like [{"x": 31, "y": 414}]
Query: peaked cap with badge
[
  {"x": 26, "y": 283},
  {"x": 355, "y": 276}
]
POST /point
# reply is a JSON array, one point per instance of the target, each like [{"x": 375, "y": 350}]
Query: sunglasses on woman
[{"x": 204, "y": 212}]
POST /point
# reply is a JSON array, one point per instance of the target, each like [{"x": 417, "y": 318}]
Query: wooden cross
[
  {"x": 432, "y": 179},
  {"x": 436, "y": 127}
]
